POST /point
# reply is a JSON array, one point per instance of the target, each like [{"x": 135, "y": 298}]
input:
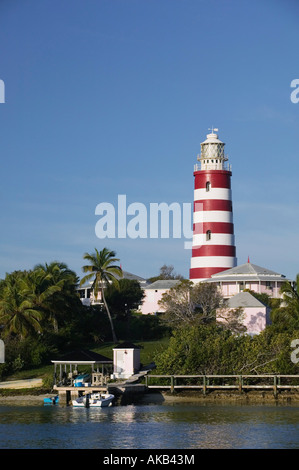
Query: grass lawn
[{"x": 148, "y": 349}]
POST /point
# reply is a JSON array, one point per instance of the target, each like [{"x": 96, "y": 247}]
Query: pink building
[
  {"x": 256, "y": 314},
  {"x": 153, "y": 293},
  {"x": 231, "y": 282},
  {"x": 249, "y": 276}
]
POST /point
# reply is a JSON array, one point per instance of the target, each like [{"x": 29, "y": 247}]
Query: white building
[
  {"x": 86, "y": 292},
  {"x": 126, "y": 360}
]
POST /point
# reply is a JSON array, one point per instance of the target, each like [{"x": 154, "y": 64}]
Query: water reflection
[{"x": 178, "y": 426}]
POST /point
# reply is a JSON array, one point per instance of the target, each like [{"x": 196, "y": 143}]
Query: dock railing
[{"x": 226, "y": 382}]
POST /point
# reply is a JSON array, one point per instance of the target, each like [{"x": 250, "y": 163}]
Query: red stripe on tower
[{"x": 213, "y": 246}]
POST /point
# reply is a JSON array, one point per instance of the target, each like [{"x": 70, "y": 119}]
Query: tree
[
  {"x": 287, "y": 315},
  {"x": 64, "y": 300},
  {"x": 103, "y": 270},
  {"x": 166, "y": 272},
  {"x": 201, "y": 349},
  {"x": 191, "y": 303},
  {"x": 122, "y": 299},
  {"x": 125, "y": 297},
  {"x": 178, "y": 304},
  {"x": 211, "y": 349},
  {"x": 21, "y": 304},
  {"x": 208, "y": 299},
  {"x": 232, "y": 319}
]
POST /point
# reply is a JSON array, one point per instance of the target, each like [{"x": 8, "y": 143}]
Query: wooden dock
[
  {"x": 178, "y": 383},
  {"x": 68, "y": 393},
  {"x": 206, "y": 383}
]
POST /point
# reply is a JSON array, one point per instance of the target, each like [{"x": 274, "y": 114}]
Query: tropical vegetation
[
  {"x": 41, "y": 316},
  {"x": 200, "y": 344}
]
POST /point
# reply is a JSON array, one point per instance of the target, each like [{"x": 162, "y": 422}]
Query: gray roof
[
  {"x": 127, "y": 345},
  {"x": 163, "y": 284},
  {"x": 247, "y": 272},
  {"x": 82, "y": 356},
  {"x": 244, "y": 299},
  {"x": 127, "y": 275}
]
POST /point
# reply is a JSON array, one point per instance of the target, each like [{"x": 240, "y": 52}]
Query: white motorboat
[{"x": 93, "y": 400}]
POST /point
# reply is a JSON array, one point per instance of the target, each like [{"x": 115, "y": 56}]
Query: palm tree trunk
[{"x": 109, "y": 315}]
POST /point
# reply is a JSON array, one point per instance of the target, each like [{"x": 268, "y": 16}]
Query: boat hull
[
  {"x": 94, "y": 401},
  {"x": 51, "y": 400}
]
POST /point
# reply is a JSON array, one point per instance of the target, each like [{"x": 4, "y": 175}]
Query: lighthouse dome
[
  {"x": 212, "y": 139},
  {"x": 212, "y": 152}
]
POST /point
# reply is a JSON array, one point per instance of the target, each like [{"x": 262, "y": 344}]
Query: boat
[
  {"x": 81, "y": 380},
  {"x": 94, "y": 400},
  {"x": 51, "y": 400}
]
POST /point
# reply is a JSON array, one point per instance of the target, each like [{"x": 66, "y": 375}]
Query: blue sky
[{"x": 109, "y": 97}]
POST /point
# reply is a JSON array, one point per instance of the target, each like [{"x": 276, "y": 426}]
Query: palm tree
[
  {"x": 19, "y": 310},
  {"x": 59, "y": 279},
  {"x": 291, "y": 300},
  {"x": 287, "y": 314},
  {"x": 30, "y": 299},
  {"x": 103, "y": 270}
]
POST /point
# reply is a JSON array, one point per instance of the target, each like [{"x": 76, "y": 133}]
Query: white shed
[{"x": 126, "y": 360}]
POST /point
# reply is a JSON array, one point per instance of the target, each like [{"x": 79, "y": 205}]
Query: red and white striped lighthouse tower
[{"x": 213, "y": 246}]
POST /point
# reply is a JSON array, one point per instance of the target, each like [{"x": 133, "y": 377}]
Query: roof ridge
[{"x": 247, "y": 268}]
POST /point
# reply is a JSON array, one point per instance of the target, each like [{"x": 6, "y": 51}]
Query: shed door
[{"x": 120, "y": 361}]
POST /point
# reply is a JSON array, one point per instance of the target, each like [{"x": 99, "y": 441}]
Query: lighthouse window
[
  {"x": 208, "y": 186},
  {"x": 208, "y": 235}
]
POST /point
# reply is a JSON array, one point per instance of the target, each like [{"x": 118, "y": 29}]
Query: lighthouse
[{"x": 213, "y": 245}]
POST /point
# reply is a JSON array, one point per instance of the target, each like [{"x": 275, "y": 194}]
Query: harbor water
[{"x": 150, "y": 426}]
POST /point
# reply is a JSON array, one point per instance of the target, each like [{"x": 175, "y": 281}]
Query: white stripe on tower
[
  {"x": 213, "y": 247},
  {"x": 216, "y": 193},
  {"x": 212, "y": 216}
]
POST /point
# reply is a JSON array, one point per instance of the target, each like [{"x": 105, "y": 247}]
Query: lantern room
[{"x": 212, "y": 153}]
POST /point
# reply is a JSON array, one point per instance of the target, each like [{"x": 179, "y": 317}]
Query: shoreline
[
  {"x": 234, "y": 397},
  {"x": 19, "y": 399},
  {"x": 216, "y": 397}
]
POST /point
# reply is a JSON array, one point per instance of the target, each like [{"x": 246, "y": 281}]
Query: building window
[
  {"x": 82, "y": 293},
  {"x": 208, "y": 235},
  {"x": 208, "y": 186}
]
